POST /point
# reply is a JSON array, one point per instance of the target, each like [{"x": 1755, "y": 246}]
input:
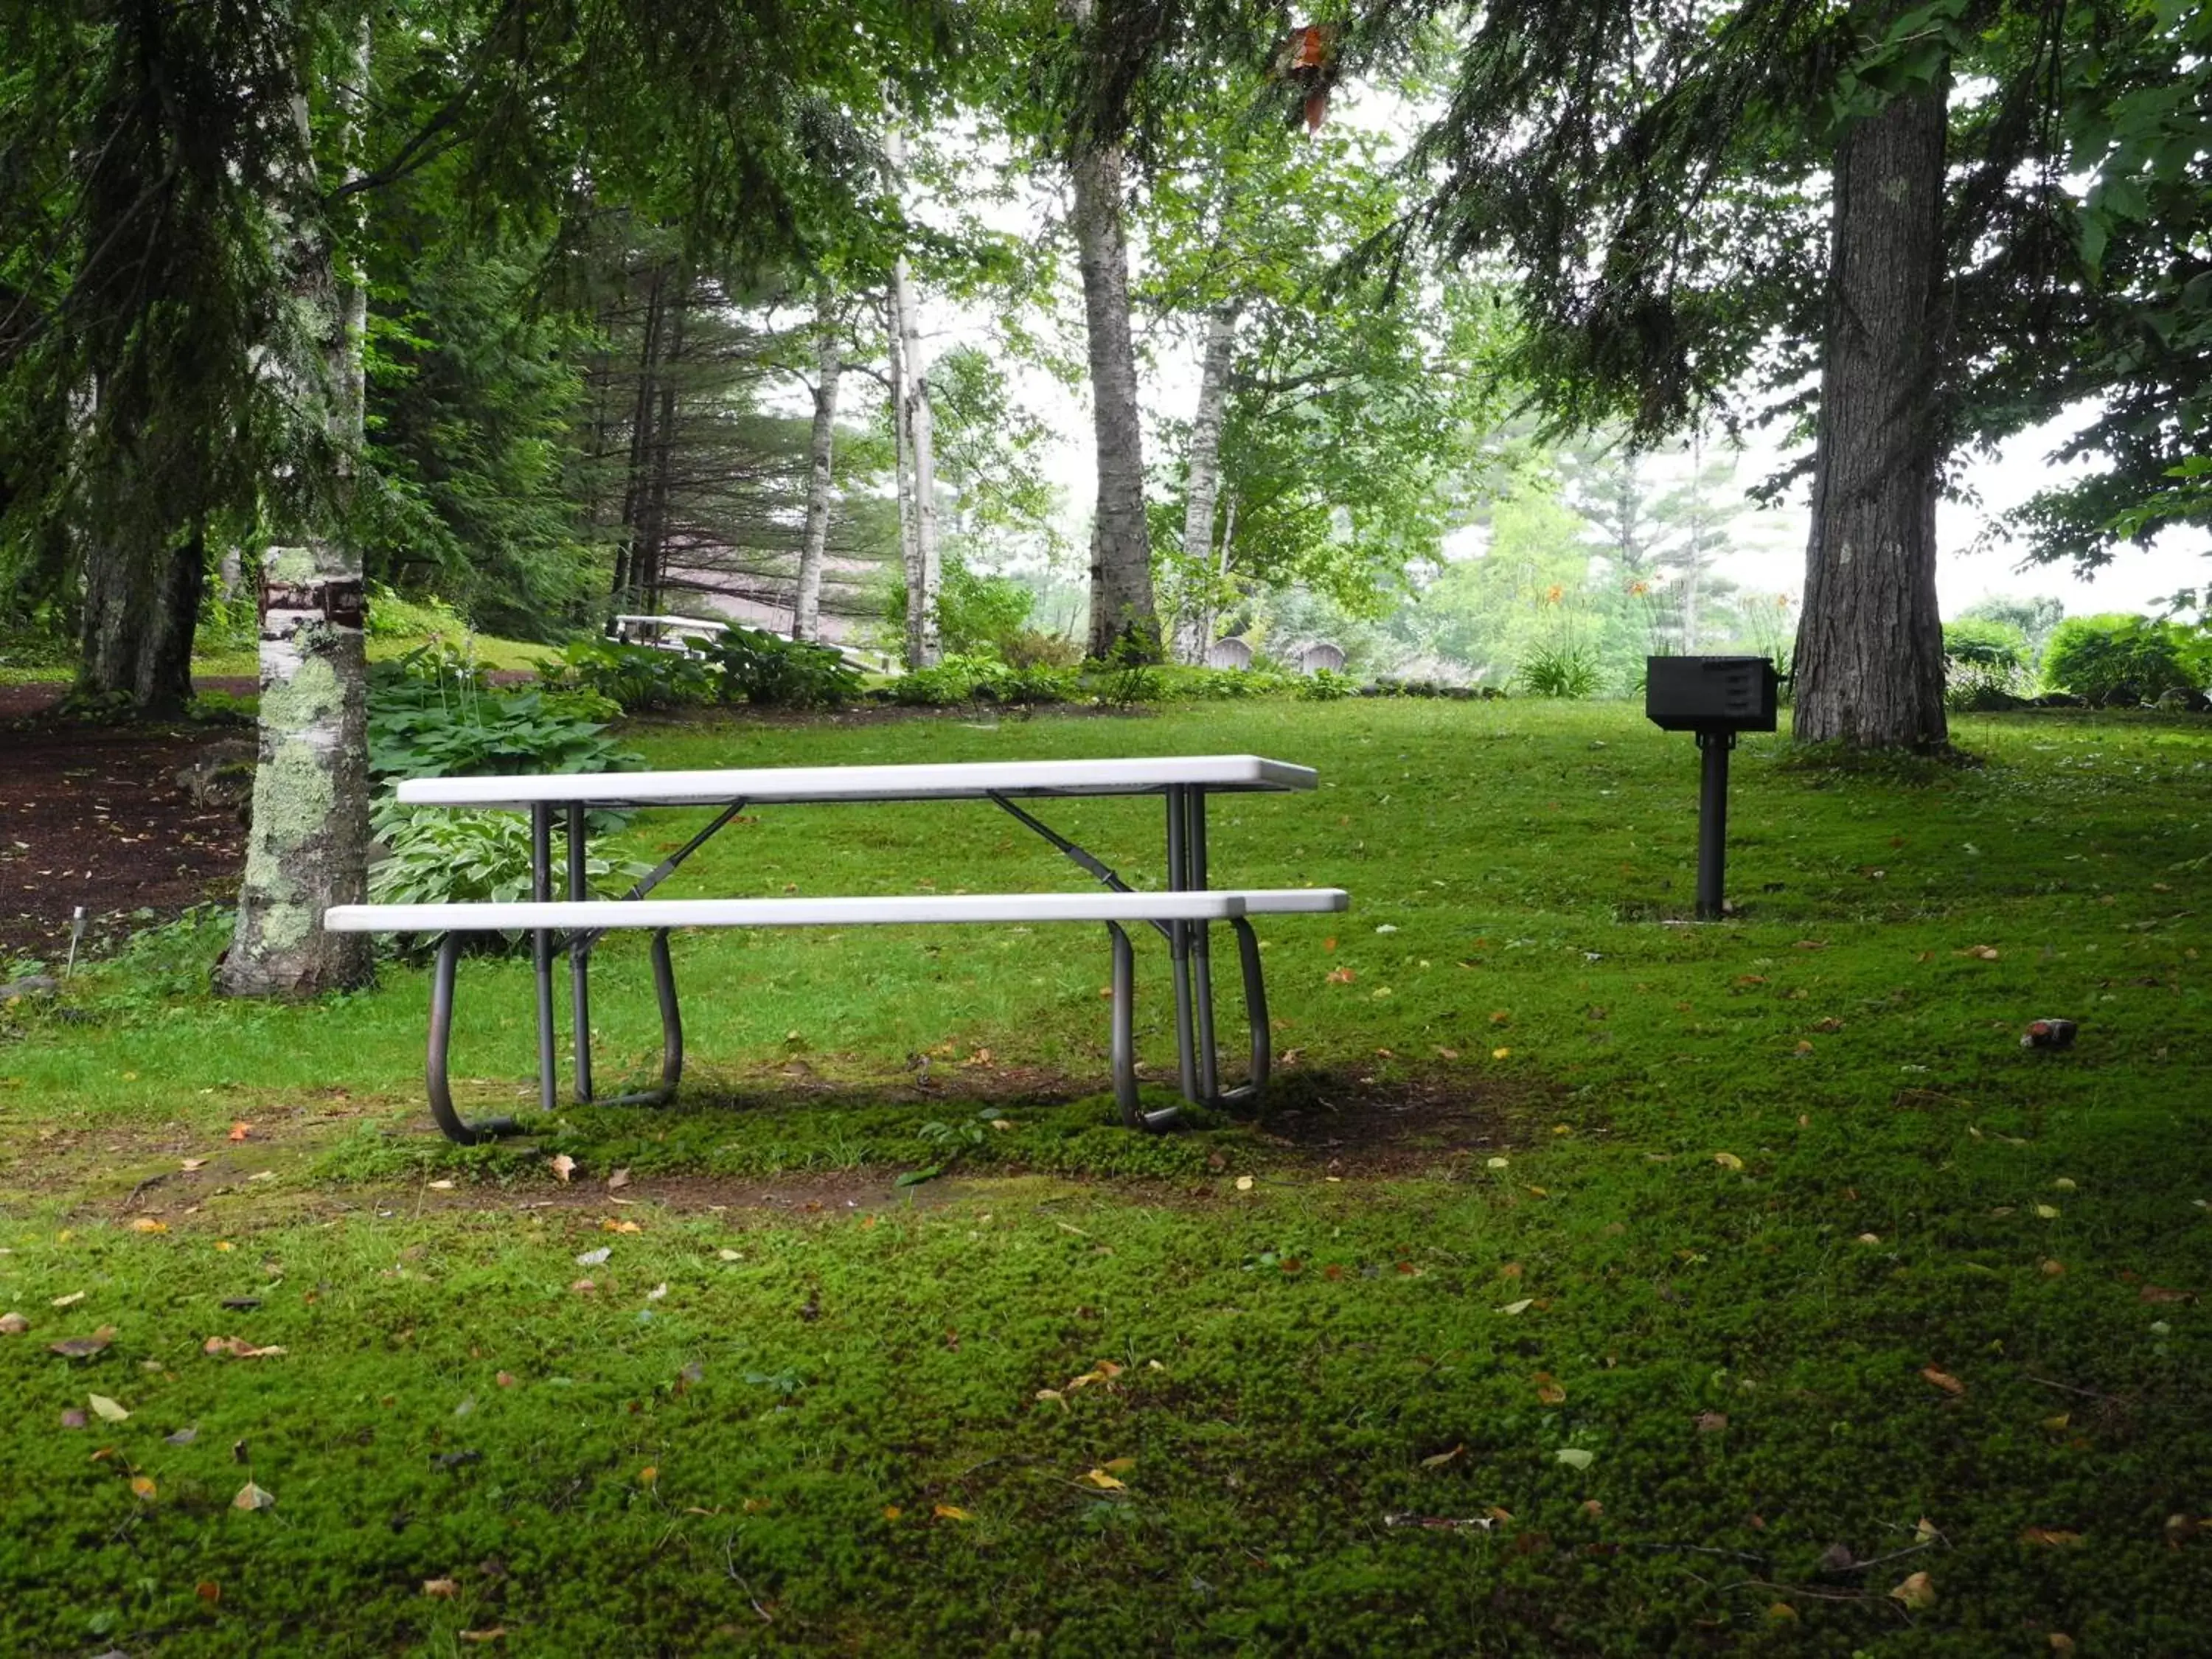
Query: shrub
[
  {"x": 1328, "y": 684},
  {"x": 959, "y": 679},
  {"x": 637, "y": 678},
  {"x": 433, "y": 855},
  {"x": 1560, "y": 672},
  {"x": 2117, "y": 656},
  {"x": 770, "y": 671},
  {"x": 1226, "y": 684},
  {"x": 1031, "y": 648},
  {"x": 1984, "y": 664},
  {"x": 424, "y": 726}
]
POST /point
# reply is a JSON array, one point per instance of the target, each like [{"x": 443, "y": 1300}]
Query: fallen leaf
[
  {"x": 143, "y": 1486},
  {"x": 1120, "y": 1465},
  {"x": 1341, "y": 976},
  {"x": 657, "y": 1292},
  {"x": 496, "y": 1633},
  {"x": 650, "y": 1475},
  {"x": 892, "y": 1511},
  {"x": 583, "y": 1287},
  {"x": 951, "y": 1512},
  {"x": 69, "y": 1301},
  {"x": 1497, "y": 1163},
  {"x": 2047, "y": 1211},
  {"x": 730, "y": 1255},
  {"x": 1943, "y": 1380},
  {"x": 208, "y": 1591},
  {"x": 2051, "y": 1266},
  {"x": 1520, "y": 1307},
  {"x": 1925, "y": 1532},
  {"x": 611, "y": 1225},
  {"x": 13, "y": 1324},
  {"x": 2051, "y": 1536},
  {"x": 108, "y": 1411},
  {"x": 1711, "y": 1422},
  {"x": 1053, "y": 1395},
  {"x": 193, "y": 1165},
  {"x": 1105, "y": 1481},
  {"x": 238, "y": 1348},
  {"x": 1782, "y": 1612},
  {"x": 1443, "y": 1457},
  {"x": 240, "y": 1129},
  {"x": 440, "y": 1587},
  {"x": 1501, "y": 1053},
  {"x": 442, "y": 1186},
  {"x": 2160, "y": 1293},
  {"x": 1869, "y": 1238},
  {"x": 1917, "y": 1591},
  {"x": 2179, "y": 1529},
  {"x": 2061, "y": 1643},
  {"x": 563, "y": 1167},
  {"x": 73, "y": 1418},
  {"x": 147, "y": 1224},
  {"x": 1243, "y": 1183},
  {"x": 1727, "y": 1160},
  {"x": 1548, "y": 1389},
  {"x": 592, "y": 1258},
  {"x": 2057, "y": 1425},
  {"x": 617, "y": 1181},
  {"x": 250, "y": 1496},
  {"x": 1575, "y": 1457}
]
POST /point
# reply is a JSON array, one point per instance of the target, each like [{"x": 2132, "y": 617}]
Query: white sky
[{"x": 1770, "y": 542}]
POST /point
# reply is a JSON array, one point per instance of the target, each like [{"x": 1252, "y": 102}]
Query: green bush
[
  {"x": 960, "y": 679},
  {"x": 434, "y": 855},
  {"x": 1560, "y": 671},
  {"x": 1226, "y": 684},
  {"x": 636, "y": 678},
  {"x": 770, "y": 671},
  {"x": 1328, "y": 685},
  {"x": 1032, "y": 647},
  {"x": 1985, "y": 663},
  {"x": 2118, "y": 656},
  {"x": 427, "y": 727}
]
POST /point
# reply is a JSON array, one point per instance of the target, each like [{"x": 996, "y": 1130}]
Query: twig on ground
[
  {"x": 730, "y": 1567},
  {"x": 132, "y": 1200},
  {"x": 2068, "y": 1387}
]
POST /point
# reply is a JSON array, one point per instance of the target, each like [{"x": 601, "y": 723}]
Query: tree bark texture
[
  {"x": 901, "y": 460},
  {"x": 307, "y": 845},
  {"x": 1870, "y": 659},
  {"x": 1202, "y": 488},
  {"x": 1123, "y": 615},
  {"x": 922, "y": 650},
  {"x": 806, "y": 603},
  {"x": 141, "y": 611}
]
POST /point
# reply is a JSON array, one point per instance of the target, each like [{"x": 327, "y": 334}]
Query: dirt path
[{"x": 93, "y": 816}]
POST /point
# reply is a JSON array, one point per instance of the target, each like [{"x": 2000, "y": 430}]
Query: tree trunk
[
  {"x": 1123, "y": 617},
  {"x": 919, "y": 432},
  {"x": 140, "y": 616},
  {"x": 903, "y": 464},
  {"x": 806, "y": 603},
  {"x": 1202, "y": 487},
  {"x": 1869, "y": 660},
  {"x": 307, "y": 847},
  {"x": 659, "y": 513},
  {"x": 631, "y": 552}
]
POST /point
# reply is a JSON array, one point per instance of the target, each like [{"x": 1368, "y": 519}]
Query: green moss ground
[{"x": 1739, "y": 1351}]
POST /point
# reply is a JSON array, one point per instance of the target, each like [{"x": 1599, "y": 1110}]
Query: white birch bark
[
  {"x": 1202, "y": 488},
  {"x": 924, "y": 575},
  {"x": 903, "y": 464},
  {"x": 806, "y": 602},
  {"x": 307, "y": 847}
]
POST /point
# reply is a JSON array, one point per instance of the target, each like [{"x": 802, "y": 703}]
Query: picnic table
[{"x": 1183, "y": 914}]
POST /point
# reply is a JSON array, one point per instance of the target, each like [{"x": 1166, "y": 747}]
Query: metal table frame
[{"x": 1189, "y": 949}]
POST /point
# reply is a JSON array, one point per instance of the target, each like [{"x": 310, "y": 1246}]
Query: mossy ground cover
[{"x": 1597, "y": 1284}]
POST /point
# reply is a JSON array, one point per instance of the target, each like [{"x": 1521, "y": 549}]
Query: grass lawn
[{"x": 1596, "y": 1283}]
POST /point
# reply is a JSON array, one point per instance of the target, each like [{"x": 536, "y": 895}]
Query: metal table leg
[
  {"x": 580, "y": 961},
  {"x": 1179, "y": 944},
  {"x": 541, "y": 949},
  {"x": 435, "y": 1082},
  {"x": 1194, "y": 848}
]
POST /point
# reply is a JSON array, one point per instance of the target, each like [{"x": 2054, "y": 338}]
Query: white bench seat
[{"x": 889, "y": 910}]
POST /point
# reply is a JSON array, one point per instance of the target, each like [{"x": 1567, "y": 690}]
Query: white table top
[{"x": 782, "y": 785}]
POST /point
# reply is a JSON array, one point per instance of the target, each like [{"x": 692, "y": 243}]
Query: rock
[
  {"x": 2180, "y": 700},
  {"x": 31, "y": 985},
  {"x": 221, "y": 775}
]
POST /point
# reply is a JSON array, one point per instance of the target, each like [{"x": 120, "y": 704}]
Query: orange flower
[{"x": 1554, "y": 593}]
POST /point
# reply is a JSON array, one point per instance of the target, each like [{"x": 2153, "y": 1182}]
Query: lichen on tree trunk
[
  {"x": 1870, "y": 659},
  {"x": 1202, "y": 489},
  {"x": 307, "y": 847}
]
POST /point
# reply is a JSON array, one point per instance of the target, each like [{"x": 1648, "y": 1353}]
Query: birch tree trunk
[
  {"x": 920, "y": 431},
  {"x": 1202, "y": 487},
  {"x": 1123, "y": 615},
  {"x": 903, "y": 464},
  {"x": 1870, "y": 659},
  {"x": 806, "y": 603},
  {"x": 307, "y": 847}
]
